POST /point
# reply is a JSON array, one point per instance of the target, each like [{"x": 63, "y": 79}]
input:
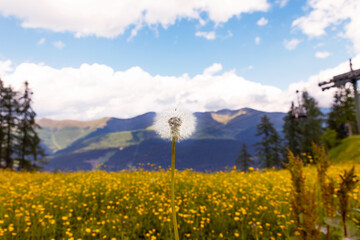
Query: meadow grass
[
  {"x": 347, "y": 151},
  {"x": 136, "y": 205}
]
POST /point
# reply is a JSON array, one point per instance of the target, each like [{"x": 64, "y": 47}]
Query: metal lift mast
[{"x": 341, "y": 80}]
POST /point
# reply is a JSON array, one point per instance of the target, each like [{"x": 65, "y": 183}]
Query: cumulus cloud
[
  {"x": 112, "y": 17},
  {"x": 208, "y": 35},
  {"x": 262, "y": 21},
  {"x": 326, "y": 14},
  {"x": 95, "y": 91},
  {"x": 59, "y": 44},
  {"x": 291, "y": 44},
  {"x": 323, "y": 54},
  {"x": 257, "y": 40}
]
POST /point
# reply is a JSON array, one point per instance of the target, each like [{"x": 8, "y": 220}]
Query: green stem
[{"x": 176, "y": 233}]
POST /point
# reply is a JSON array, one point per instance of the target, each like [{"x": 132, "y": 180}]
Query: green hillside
[
  {"x": 56, "y": 140},
  {"x": 58, "y": 135},
  {"x": 111, "y": 140},
  {"x": 348, "y": 151}
]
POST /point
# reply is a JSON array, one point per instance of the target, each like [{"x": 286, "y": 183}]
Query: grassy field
[
  {"x": 347, "y": 151},
  {"x": 136, "y": 205}
]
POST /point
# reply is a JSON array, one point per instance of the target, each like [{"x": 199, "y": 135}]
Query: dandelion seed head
[{"x": 175, "y": 123}]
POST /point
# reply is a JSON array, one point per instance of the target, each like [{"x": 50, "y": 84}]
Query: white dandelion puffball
[{"x": 175, "y": 123}]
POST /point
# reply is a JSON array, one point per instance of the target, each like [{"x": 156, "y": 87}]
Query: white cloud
[
  {"x": 326, "y": 14},
  {"x": 95, "y": 91},
  {"x": 291, "y": 44},
  {"x": 59, "y": 44},
  {"x": 257, "y": 40},
  {"x": 207, "y": 35},
  {"x": 5, "y": 68},
  {"x": 282, "y": 3},
  {"x": 112, "y": 17},
  {"x": 215, "y": 68},
  {"x": 323, "y": 54},
  {"x": 262, "y": 21},
  {"x": 41, "y": 41}
]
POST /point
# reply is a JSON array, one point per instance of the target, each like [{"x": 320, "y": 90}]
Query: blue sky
[{"x": 265, "y": 49}]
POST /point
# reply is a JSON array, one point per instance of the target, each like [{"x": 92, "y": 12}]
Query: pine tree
[
  {"x": 243, "y": 161},
  {"x": 292, "y": 133},
  {"x": 29, "y": 148},
  {"x": 10, "y": 105},
  {"x": 2, "y": 128},
  {"x": 269, "y": 147},
  {"x": 311, "y": 127},
  {"x": 342, "y": 117}
]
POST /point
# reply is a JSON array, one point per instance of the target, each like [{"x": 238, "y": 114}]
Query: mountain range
[{"x": 114, "y": 144}]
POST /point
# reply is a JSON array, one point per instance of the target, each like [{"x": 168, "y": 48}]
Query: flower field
[{"x": 136, "y": 205}]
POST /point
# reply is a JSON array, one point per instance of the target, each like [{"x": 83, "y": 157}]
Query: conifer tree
[
  {"x": 311, "y": 127},
  {"x": 2, "y": 128},
  {"x": 10, "y": 105},
  {"x": 292, "y": 133},
  {"x": 300, "y": 134},
  {"x": 243, "y": 161},
  {"x": 342, "y": 117},
  {"x": 29, "y": 148},
  {"x": 269, "y": 147}
]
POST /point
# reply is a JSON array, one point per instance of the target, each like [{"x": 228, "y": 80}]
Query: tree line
[
  {"x": 298, "y": 134},
  {"x": 20, "y": 147}
]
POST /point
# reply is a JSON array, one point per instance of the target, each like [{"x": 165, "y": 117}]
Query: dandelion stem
[{"x": 176, "y": 233}]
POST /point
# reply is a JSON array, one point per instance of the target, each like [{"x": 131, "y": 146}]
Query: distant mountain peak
[
  {"x": 60, "y": 124},
  {"x": 117, "y": 144},
  {"x": 225, "y": 116}
]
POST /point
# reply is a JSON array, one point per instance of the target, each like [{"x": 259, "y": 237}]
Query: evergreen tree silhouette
[
  {"x": 342, "y": 117},
  {"x": 269, "y": 147},
  {"x": 29, "y": 149},
  {"x": 311, "y": 127},
  {"x": 2, "y": 128},
  {"x": 243, "y": 161},
  {"x": 10, "y": 106},
  {"x": 292, "y": 133}
]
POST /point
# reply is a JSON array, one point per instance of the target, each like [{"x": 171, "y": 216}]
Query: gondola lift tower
[
  {"x": 298, "y": 111},
  {"x": 340, "y": 80}
]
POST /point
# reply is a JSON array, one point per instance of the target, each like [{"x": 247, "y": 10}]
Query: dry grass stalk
[
  {"x": 304, "y": 202},
  {"x": 347, "y": 185},
  {"x": 327, "y": 188}
]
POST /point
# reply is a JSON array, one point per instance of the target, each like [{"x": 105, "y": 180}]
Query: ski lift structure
[
  {"x": 298, "y": 112},
  {"x": 340, "y": 81}
]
